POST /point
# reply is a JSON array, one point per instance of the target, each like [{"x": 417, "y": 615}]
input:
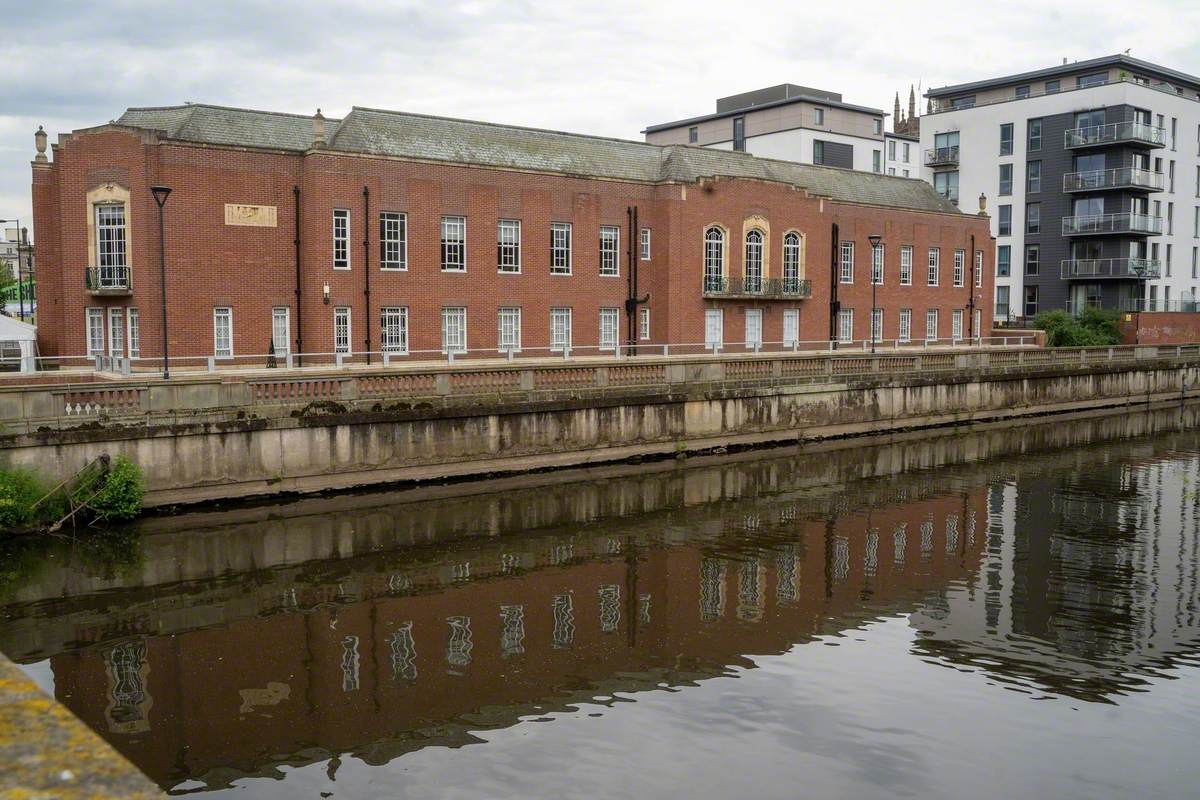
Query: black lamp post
[
  {"x": 160, "y": 196},
  {"x": 874, "y": 239},
  {"x": 20, "y": 285}
]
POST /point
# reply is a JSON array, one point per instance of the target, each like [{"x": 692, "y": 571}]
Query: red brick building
[{"x": 406, "y": 233}]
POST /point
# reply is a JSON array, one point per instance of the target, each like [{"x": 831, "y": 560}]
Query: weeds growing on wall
[
  {"x": 120, "y": 498},
  {"x": 24, "y": 504}
]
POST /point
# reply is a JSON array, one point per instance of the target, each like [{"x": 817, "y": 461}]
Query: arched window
[
  {"x": 714, "y": 260},
  {"x": 754, "y": 260},
  {"x": 791, "y": 262}
]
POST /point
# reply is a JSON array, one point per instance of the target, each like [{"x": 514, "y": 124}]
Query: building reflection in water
[{"x": 379, "y": 629}]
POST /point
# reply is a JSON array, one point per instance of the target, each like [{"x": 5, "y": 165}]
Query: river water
[{"x": 1006, "y": 613}]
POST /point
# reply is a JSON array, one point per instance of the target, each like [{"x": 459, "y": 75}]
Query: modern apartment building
[
  {"x": 1091, "y": 173},
  {"x": 789, "y": 122}
]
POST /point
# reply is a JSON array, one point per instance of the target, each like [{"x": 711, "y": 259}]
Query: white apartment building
[
  {"x": 1091, "y": 174},
  {"x": 790, "y": 122},
  {"x": 902, "y": 155}
]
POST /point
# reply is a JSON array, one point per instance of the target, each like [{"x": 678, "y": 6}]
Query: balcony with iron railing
[
  {"x": 1098, "y": 224},
  {"x": 1115, "y": 268},
  {"x": 108, "y": 280},
  {"x": 941, "y": 156},
  {"x": 1138, "y": 133},
  {"x": 1119, "y": 178},
  {"x": 718, "y": 287}
]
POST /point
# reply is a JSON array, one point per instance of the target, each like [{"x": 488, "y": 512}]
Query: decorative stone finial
[
  {"x": 982, "y": 204},
  {"x": 39, "y": 141},
  {"x": 318, "y": 129}
]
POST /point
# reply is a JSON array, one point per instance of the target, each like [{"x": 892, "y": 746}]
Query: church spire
[
  {"x": 896, "y": 114},
  {"x": 912, "y": 102}
]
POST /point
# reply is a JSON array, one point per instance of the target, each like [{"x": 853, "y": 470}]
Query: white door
[
  {"x": 791, "y": 326},
  {"x": 281, "y": 330},
  {"x": 116, "y": 332},
  {"x": 714, "y": 328},
  {"x": 846, "y": 325},
  {"x": 754, "y": 327}
]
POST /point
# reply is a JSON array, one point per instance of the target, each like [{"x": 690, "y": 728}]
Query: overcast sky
[{"x": 606, "y": 68}]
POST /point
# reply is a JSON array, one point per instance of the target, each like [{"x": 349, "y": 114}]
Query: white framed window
[
  {"x": 906, "y": 156},
  {"x": 791, "y": 262},
  {"x": 791, "y": 326},
  {"x": 508, "y": 336},
  {"x": 645, "y": 244},
  {"x": 454, "y": 329},
  {"x": 956, "y": 324},
  {"x": 978, "y": 320},
  {"x": 112, "y": 267},
  {"x": 978, "y": 269},
  {"x": 341, "y": 238},
  {"x": 393, "y": 240},
  {"x": 560, "y": 248},
  {"x": 643, "y": 323},
  {"x": 960, "y": 265},
  {"x": 610, "y": 245},
  {"x": 393, "y": 329},
  {"x": 281, "y": 330},
  {"x": 877, "y": 265},
  {"x": 454, "y": 244},
  {"x": 714, "y": 259},
  {"x": 116, "y": 332},
  {"x": 846, "y": 325},
  {"x": 877, "y": 324},
  {"x": 906, "y": 253},
  {"x": 508, "y": 245},
  {"x": 608, "y": 328},
  {"x": 714, "y": 327},
  {"x": 931, "y": 324},
  {"x": 560, "y": 329},
  {"x": 935, "y": 258},
  {"x": 754, "y": 337},
  {"x": 847, "y": 263},
  {"x": 223, "y": 332},
  {"x": 135, "y": 334},
  {"x": 341, "y": 329},
  {"x": 905, "y": 334},
  {"x": 754, "y": 261},
  {"x": 95, "y": 332}
]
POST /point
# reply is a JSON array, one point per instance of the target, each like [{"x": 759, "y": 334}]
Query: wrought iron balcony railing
[
  {"x": 1114, "y": 133},
  {"x": 1118, "y": 268},
  {"x": 941, "y": 156},
  {"x": 1120, "y": 178},
  {"x": 1125, "y": 222},
  {"x": 766, "y": 288},
  {"x": 108, "y": 280}
]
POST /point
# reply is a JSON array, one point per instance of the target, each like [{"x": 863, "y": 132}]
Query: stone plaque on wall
[{"x": 255, "y": 216}]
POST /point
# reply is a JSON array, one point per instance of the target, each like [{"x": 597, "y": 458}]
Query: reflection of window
[
  {"x": 512, "y": 631},
  {"x": 458, "y": 646},
  {"x": 750, "y": 600},
  {"x": 952, "y": 533},
  {"x": 841, "y": 558},
  {"x": 610, "y": 607},
  {"x": 644, "y": 609},
  {"x": 787, "y": 588},
  {"x": 712, "y": 589},
  {"x": 899, "y": 543},
  {"x": 971, "y": 527},
  {"x": 871, "y": 556},
  {"x": 927, "y": 538},
  {"x": 404, "y": 654},
  {"x": 564, "y": 622},
  {"x": 350, "y": 664},
  {"x": 126, "y": 663}
]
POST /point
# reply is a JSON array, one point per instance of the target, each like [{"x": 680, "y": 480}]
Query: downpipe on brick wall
[
  {"x": 367, "y": 266},
  {"x": 299, "y": 312}
]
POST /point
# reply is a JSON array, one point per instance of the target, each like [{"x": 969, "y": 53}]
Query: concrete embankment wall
[{"x": 281, "y": 439}]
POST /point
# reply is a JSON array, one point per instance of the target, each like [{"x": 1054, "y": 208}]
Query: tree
[{"x": 1093, "y": 327}]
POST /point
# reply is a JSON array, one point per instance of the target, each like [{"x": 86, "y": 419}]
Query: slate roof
[
  {"x": 417, "y": 136},
  {"x": 1119, "y": 60}
]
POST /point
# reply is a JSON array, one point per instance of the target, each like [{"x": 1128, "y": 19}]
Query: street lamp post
[
  {"x": 20, "y": 286},
  {"x": 160, "y": 196},
  {"x": 874, "y": 239}
]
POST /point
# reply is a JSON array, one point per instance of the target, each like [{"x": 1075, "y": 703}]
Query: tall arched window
[
  {"x": 791, "y": 262},
  {"x": 754, "y": 260},
  {"x": 714, "y": 260}
]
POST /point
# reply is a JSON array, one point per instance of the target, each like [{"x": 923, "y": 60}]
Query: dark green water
[{"x": 1012, "y": 613}]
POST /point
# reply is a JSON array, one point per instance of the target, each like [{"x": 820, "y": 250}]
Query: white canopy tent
[{"x": 18, "y": 337}]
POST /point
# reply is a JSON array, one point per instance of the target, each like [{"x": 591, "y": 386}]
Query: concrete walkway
[{"x": 46, "y": 752}]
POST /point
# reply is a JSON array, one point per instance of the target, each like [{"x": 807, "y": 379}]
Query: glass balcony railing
[
  {"x": 768, "y": 288},
  {"x": 1126, "y": 222},
  {"x": 1114, "y": 133},
  {"x": 1117, "y": 268},
  {"x": 941, "y": 156},
  {"x": 1120, "y": 178}
]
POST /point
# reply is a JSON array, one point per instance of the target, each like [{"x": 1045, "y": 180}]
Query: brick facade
[{"x": 253, "y": 269}]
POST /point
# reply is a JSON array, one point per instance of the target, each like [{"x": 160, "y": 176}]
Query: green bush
[
  {"x": 121, "y": 496},
  {"x": 19, "y": 490},
  {"x": 1093, "y": 327}
]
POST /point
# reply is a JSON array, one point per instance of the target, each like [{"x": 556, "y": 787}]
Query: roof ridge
[{"x": 182, "y": 106}]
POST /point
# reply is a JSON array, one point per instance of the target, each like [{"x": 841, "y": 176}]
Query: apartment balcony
[
  {"x": 1135, "y": 133},
  {"x": 942, "y": 157},
  {"x": 1114, "y": 268},
  {"x": 719, "y": 288},
  {"x": 1120, "y": 178},
  {"x": 108, "y": 280},
  {"x": 1100, "y": 224}
]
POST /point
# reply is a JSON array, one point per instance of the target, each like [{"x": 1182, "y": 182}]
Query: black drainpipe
[
  {"x": 299, "y": 313},
  {"x": 834, "y": 305},
  {"x": 632, "y": 301},
  {"x": 971, "y": 304},
  {"x": 367, "y": 264}
]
